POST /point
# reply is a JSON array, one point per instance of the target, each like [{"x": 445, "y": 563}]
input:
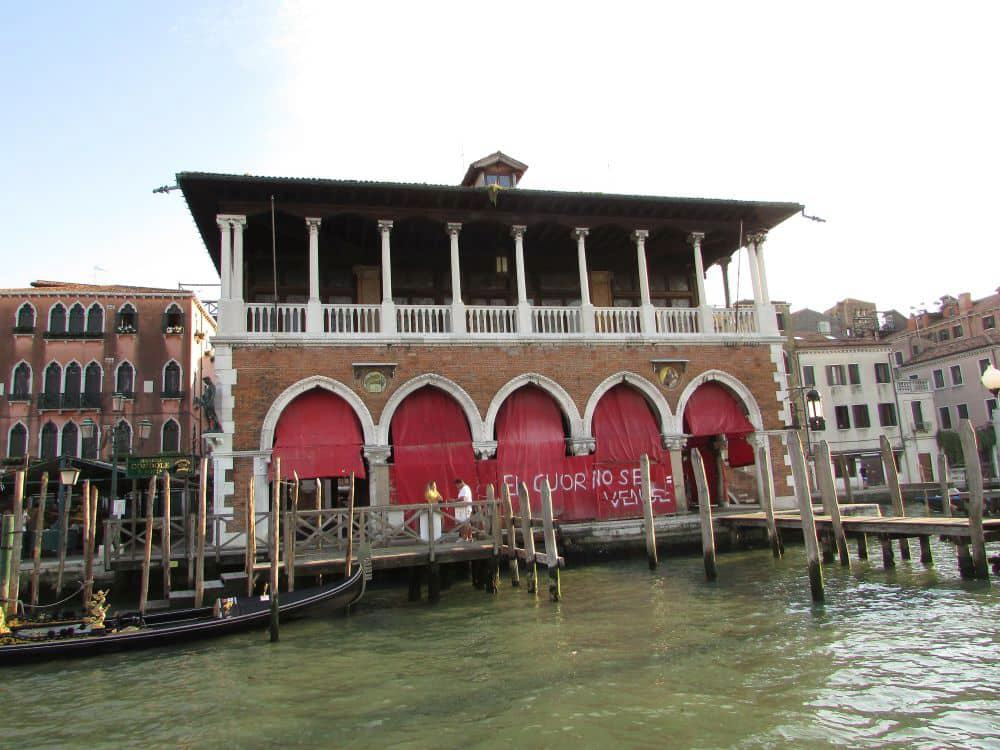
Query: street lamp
[
  {"x": 991, "y": 382},
  {"x": 814, "y": 410},
  {"x": 68, "y": 475}
]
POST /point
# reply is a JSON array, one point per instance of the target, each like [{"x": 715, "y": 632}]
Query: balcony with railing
[{"x": 913, "y": 385}]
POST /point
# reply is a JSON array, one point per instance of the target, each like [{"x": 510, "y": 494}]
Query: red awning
[
  {"x": 625, "y": 427},
  {"x": 713, "y": 410},
  {"x": 319, "y": 435}
]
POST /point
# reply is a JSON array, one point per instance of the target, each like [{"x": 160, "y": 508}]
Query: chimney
[{"x": 964, "y": 303}]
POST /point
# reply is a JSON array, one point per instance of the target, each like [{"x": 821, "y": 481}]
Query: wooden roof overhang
[{"x": 671, "y": 219}]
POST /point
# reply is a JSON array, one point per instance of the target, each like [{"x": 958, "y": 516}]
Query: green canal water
[{"x": 630, "y": 658}]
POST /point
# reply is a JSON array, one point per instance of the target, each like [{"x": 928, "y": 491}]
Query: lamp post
[{"x": 991, "y": 382}]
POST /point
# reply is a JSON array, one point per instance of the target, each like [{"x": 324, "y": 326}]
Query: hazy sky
[{"x": 880, "y": 117}]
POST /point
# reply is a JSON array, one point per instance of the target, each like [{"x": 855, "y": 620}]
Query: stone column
[
  {"x": 754, "y": 267},
  {"x": 388, "y": 306},
  {"x": 229, "y": 317},
  {"x": 457, "y": 305},
  {"x": 724, "y": 267},
  {"x": 765, "y": 296},
  {"x": 704, "y": 311},
  {"x": 378, "y": 474},
  {"x": 314, "y": 310},
  {"x": 236, "y": 292},
  {"x": 647, "y": 318},
  {"x": 675, "y": 446},
  {"x": 767, "y": 320},
  {"x": 524, "y": 326},
  {"x": 586, "y": 308}
]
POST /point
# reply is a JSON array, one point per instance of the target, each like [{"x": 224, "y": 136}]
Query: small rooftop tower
[{"x": 495, "y": 169}]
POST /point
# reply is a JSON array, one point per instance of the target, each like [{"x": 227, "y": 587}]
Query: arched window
[
  {"x": 69, "y": 440},
  {"x": 125, "y": 380},
  {"x": 51, "y": 387},
  {"x": 71, "y": 388},
  {"x": 49, "y": 441},
  {"x": 173, "y": 319},
  {"x": 128, "y": 320},
  {"x": 17, "y": 441},
  {"x": 172, "y": 380},
  {"x": 95, "y": 319},
  {"x": 57, "y": 318},
  {"x": 88, "y": 445},
  {"x": 20, "y": 386},
  {"x": 25, "y": 319},
  {"x": 122, "y": 438},
  {"x": 77, "y": 320},
  {"x": 171, "y": 441},
  {"x": 92, "y": 386}
]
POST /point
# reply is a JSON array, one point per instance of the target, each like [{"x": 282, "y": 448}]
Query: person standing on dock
[{"x": 464, "y": 512}]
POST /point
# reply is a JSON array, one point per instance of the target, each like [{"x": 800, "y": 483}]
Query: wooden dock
[{"x": 908, "y": 527}]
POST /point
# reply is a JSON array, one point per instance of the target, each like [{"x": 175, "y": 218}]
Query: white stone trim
[
  {"x": 307, "y": 384},
  {"x": 445, "y": 384},
  {"x": 731, "y": 382},
  {"x": 34, "y": 313},
  {"x": 135, "y": 376},
  {"x": 59, "y": 303},
  {"x": 566, "y": 404},
  {"x": 653, "y": 395}
]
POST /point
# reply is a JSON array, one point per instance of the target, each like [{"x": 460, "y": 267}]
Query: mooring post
[
  {"x": 414, "y": 589},
  {"x": 895, "y": 493},
  {"x": 828, "y": 490},
  {"x": 64, "y": 508},
  {"x": 974, "y": 482},
  {"x": 199, "y": 570},
  {"x": 512, "y": 562},
  {"x": 350, "y": 530},
  {"x": 942, "y": 463},
  {"x": 705, "y": 514},
  {"x": 848, "y": 489},
  {"x": 531, "y": 567},
  {"x": 6, "y": 558},
  {"x": 291, "y": 532},
  {"x": 251, "y": 526},
  {"x": 273, "y": 541},
  {"x": 926, "y": 556},
  {"x": 14, "y": 590},
  {"x": 862, "y": 540},
  {"x": 647, "y": 511},
  {"x": 90, "y": 544},
  {"x": 87, "y": 583},
  {"x": 765, "y": 488},
  {"x": 804, "y": 496},
  {"x": 36, "y": 551},
  {"x": 549, "y": 538},
  {"x": 190, "y": 537},
  {"x": 888, "y": 560},
  {"x": 147, "y": 553},
  {"x": 496, "y": 530},
  {"x": 165, "y": 536}
]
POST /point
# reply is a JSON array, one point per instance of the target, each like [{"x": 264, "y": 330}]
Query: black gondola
[{"x": 134, "y": 631}]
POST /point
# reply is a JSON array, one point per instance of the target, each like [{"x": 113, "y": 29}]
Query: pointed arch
[
  {"x": 77, "y": 320},
  {"x": 72, "y": 384},
  {"x": 125, "y": 378},
  {"x": 128, "y": 319},
  {"x": 733, "y": 384},
  {"x": 95, "y": 319},
  {"x": 52, "y": 379},
  {"x": 316, "y": 381},
  {"x": 20, "y": 380},
  {"x": 57, "y": 318},
  {"x": 69, "y": 440},
  {"x": 17, "y": 440},
  {"x": 170, "y": 436},
  {"x": 652, "y": 394},
  {"x": 122, "y": 435},
  {"x": 93, "y": 384},
  {"x": 170, "y": 379},
  {"x": 561, "y": 396},
  {"x": 48, "y": 441},
  {"x": 24, "y": 321},
  {"x": 438, "y": 381}
]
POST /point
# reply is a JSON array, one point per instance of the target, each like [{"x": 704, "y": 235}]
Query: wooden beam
[
  {"x": 804, "y": 496},
  {"x": 828, "y": 489},
  {"x": 974, "y": 481},
  {"x": 705, "y": 513},
  {"x": 895, "y": 494},
  {"x": 36, "y": 552},
  {"x": 647, "y": 511}
]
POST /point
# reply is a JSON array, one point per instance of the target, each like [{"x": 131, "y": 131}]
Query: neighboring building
[
  {"x": 861, "y": 400},
  {"x": 811, "y": 321},
  {"x": 76, "y": 351},
  {"x": 852, "y": 315},
  {"x": 417, "y": 332}
]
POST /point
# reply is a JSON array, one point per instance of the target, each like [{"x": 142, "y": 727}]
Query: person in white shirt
[{"x": 464, "y": 512}]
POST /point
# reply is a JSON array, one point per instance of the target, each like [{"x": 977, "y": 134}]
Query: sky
[{"x": 881, "y": 118}]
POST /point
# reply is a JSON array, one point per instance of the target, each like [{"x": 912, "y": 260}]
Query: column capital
[
  {"x": 384, "y": 225},
  {"x": 674, "y": 442},
  {"x": 239, "y": 219},
  {"x": 453, "y": 228},
  {"x": 518, "y": 230},
  {"x": 756, "y": 238},
  {"x": 582, "y": 446},
  {"x": 640, "y": 235},
  {"x": 695, "y": 238},
  {"x": 484, "y": 449},
  {"x": 579, "y": 232},
  {"x": 377, "y": 455},
  {"x": 313, "y": 223}
]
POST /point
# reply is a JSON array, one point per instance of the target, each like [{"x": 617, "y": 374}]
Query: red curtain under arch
[
  {"x": 625, "y": 427},
  {"x": 319, "y": 435},
  {"x": 713, "y": 410},
  {"x": 431, "y": 441}
]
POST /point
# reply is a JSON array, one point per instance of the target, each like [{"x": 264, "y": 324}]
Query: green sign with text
[{"x": 144, "y": 467}]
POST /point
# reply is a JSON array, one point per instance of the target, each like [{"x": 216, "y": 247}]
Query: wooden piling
[
  {"x": 862, "y": 540},
  {"x": 848, "y": 489},
  {"x": 705, "y": 513},
  {"x": 14, "y": 587},
  {"x": 549, "y": 538},
  {"x": 6, "y": 559},
  {"x": 250, "y": 551},
  {"x": 512, "y": 561},
  {"x": 888, "y": 561},
  {"x": 966, "y": 567},
  {"x": 165, "y": 536},
  {"x": 895, "y": 493},
  {"x": 942, "y": 463},
  {"x": 90, "y": 542},
  {"x": 531, "y": 567},
  {"x": 414, "y": 587},
  {"x": 148, "y": 548},
  {"x": 87, "y": 584},
  {"x": 433, "y": 583},
  {"x": 64, "y": 510},
  {"x": 290, "y": 533},
  {"x": 647, "y": 511},
  {"x": 828, "y": 490},
  {"x": 273, "y": 543},
  {"x": 36, "y": 552},
  {"x": 926, "y": 556},
  {"x": 974, "y": 482},
  {"x": 804, "y": 496},
  {"x": 350, "y": 530},
  {"x": 496, "y": 531},
  {"x": 766, "y": 490},
  {"x": 199, "y": 568}
]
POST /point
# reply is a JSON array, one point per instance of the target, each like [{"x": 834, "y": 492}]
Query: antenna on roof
[{"x": 165, "y": 188}]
